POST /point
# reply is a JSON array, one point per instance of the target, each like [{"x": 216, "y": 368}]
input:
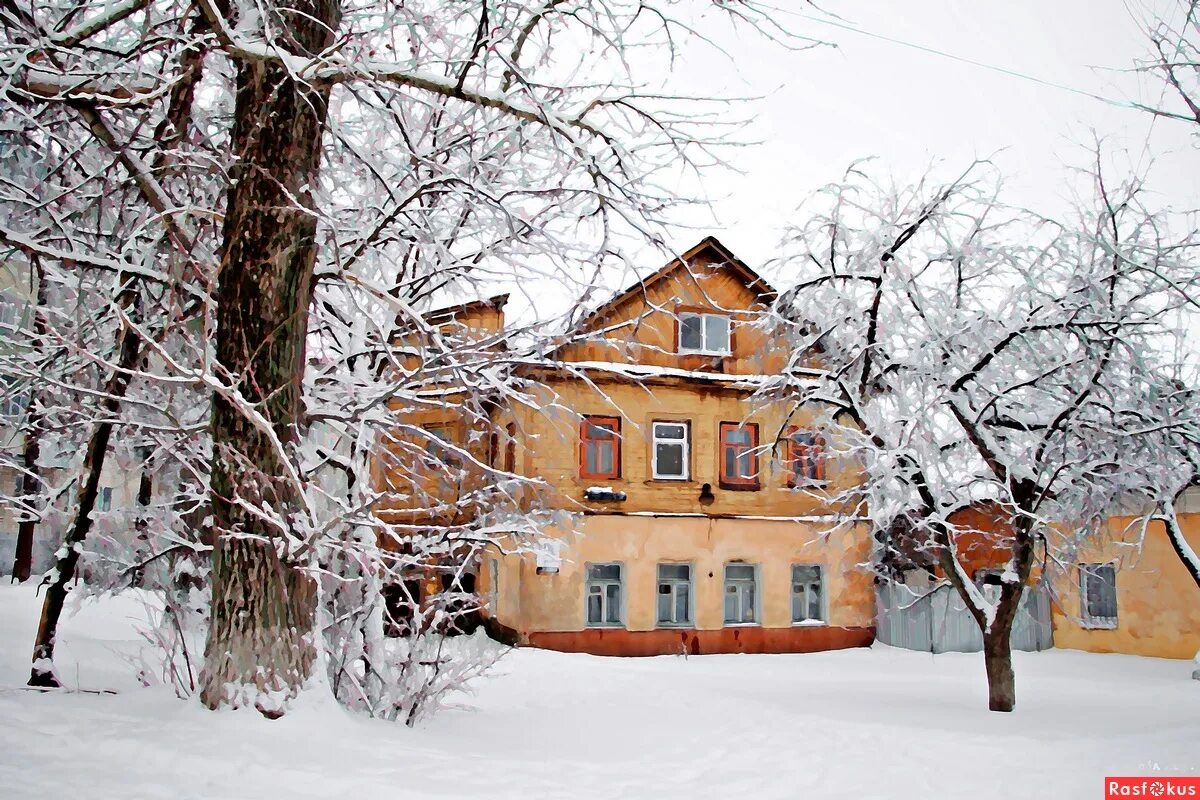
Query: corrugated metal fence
[{"x": 938, "y": 622}]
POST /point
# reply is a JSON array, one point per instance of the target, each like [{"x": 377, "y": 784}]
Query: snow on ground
[{"x": 862, "y": 723}]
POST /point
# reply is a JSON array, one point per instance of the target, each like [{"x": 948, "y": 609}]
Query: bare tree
[{"x": 978, "y": 354}]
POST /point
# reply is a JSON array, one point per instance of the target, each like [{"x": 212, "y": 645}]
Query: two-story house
[{"x": 703, "y": 519}]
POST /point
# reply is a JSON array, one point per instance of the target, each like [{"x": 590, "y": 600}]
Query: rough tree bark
[
  {"x": 997, "y": 650},
  {"x": 997, "y": 632},
  {"x": 260, "y": 647},
  {"x": 30, "y": 480}
]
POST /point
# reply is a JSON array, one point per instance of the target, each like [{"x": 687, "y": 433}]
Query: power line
[{"x": 973, "y": 62}]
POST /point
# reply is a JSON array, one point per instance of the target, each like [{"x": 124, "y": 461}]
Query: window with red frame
[
  {"x": 805, "y": 457},
  {"x": 510, "y": 447},
  {"x": 739, "y": 455},
  {"x": 600, "y": 447}
]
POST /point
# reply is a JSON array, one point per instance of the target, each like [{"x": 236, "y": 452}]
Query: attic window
[{"x": 704, "y": 333}]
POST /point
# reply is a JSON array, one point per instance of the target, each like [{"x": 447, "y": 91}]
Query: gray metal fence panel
[{"x": 938, "y": 622}]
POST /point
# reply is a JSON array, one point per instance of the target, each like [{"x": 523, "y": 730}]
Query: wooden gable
[{"x": 641, "y": 324}]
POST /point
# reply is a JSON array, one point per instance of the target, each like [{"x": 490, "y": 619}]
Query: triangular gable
[{"x": 717, "y": 255}]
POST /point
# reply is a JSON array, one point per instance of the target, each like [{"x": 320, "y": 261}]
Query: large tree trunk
[
  {"x": 260, "y": 642},
  {"x": 997, "y": 660},
  {"x": 997, "y": 650},
  {"x": 997, "y": 632}
]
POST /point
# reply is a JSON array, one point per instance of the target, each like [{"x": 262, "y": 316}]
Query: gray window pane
[
  {"x": 814, "y": 602},
  {"x": 594, "y": 606},
  {"x": 668, "y": 458},
  {"x": 614, "y": 603},
  {"x": 663, "y": 431},
  {"x": 664, "y": 603},
  {"x": 802, "y": 573},
  {"x": 739, "y": 572},
  {"x": 730, "y": 463},
  {"x": 676, "y": 571},
  {"x": 1100, "y": 585},
  {"x": 682, "y": 612},
  {"x": 731, "y": 604},
  {"x": 605, "y": 453},
  {"x": 611, "y": 572},
  {"x": 716, "y": 333},
  {"x": 748, "y": 603},
  {"x": 690, "y": 336}
]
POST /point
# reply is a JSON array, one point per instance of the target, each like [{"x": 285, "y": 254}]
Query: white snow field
[{"x": 867, "y": 723}]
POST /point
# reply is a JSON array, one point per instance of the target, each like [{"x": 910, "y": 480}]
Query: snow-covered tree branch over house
[{"x": 236, "y": 160}]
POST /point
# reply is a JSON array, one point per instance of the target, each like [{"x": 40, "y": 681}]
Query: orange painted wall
[
  {"x": 529, "y": 601},
  {"x": 786, "y": 526},
  {"x": 1158, "y": 602}
]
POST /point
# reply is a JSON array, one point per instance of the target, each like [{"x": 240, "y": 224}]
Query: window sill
[
  {"x": 652, "y": 481},
  {"x": 740, "y": 487},
  {"x": 810, "y": 623},
  {"x": 1099, "y": 624},
  {"x": 604, "y": 626},
  {"x": 809, "y": 485},
  {"x": 742, "y": 625},
  {"x": 675, "y": 626}
]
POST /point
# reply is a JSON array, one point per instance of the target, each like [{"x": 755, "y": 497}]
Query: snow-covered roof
[{"x": 642, "y": 371}]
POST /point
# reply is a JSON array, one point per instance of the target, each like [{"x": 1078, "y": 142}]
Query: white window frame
[
  {"x": 824, "y": 593},
  {"x": 1097, "y": 623},
  {"x": 588, "y": 582},
  {"x": 685, "y": 443},
  {"x": 675, "y": 583},
  {"x": 104, "y": 498},
  {"x": 755, "y": 581},
  {"x": 704, "y": 349}
]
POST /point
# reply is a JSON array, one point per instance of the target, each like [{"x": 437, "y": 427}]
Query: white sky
[{"x": 823, "y": 108}]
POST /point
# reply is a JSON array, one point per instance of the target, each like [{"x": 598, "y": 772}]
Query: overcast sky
[{"x": 822, "y": 108}]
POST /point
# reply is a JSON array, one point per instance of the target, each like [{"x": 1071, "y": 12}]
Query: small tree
[{"x": 974, "y": 353}]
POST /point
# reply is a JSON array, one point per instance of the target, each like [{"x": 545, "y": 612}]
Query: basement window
[
  {"x": 741, "y": 594},
  {"x": 674, "y": 594},
  {"x": 808, "y": 605},
  {"x": 603, "y": 602},
  {"x": 1098, "y": 593}
]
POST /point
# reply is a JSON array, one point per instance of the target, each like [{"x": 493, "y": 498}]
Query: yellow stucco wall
[
  {"x": 642, "y": 328},
  {"x": 549, "y": 449},
  {"x": 1158, "y": 602},
  {"x": 555, "y": 602}
]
